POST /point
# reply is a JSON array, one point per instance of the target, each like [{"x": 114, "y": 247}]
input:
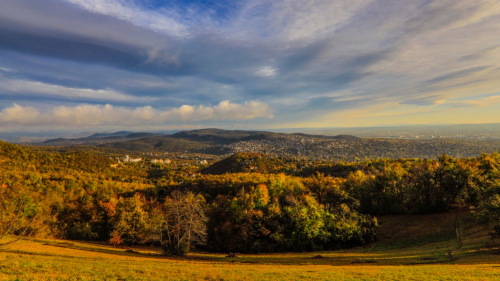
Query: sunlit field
[{"x": 408, "y": 248}]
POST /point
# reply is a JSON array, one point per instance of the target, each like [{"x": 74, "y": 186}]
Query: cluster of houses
[
  {"x": 161, "y": 161},
  {"x": 127, "y": 159}
]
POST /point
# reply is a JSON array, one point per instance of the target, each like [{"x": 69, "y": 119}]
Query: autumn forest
[{"x": 83, "y": 195}]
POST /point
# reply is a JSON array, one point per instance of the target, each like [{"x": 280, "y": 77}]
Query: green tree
[
  {"x": 487, "y": 209},
  {"x": 133, "y": 221},
  {"x": 17, "y": 214}
]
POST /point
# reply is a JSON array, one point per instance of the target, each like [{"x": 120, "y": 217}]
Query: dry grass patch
[{"x": 421, "y": 255}]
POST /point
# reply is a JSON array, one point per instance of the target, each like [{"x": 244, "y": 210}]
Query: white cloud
[
  {"x": 39, "y": 88},
  {"x": 127, "y": 10},
  {"x": 298, "y": 19},
  {"x": 266, "y": 71},
  {"x": 286, "y": 19},
  {"x": 290, "y": 20},
  {"x": 86, "y": 115}
]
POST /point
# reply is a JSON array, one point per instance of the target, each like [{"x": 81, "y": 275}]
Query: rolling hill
[
  {"x": 245, "y": 163},
  {"x": 97, "y": 139},
  {"x": 223, "y": 136},
  {"x": 205, "y": 141},
  {"x": 210, "y": 141}
]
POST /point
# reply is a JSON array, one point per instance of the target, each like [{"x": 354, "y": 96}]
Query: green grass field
[{"x": 409, "y": 248}]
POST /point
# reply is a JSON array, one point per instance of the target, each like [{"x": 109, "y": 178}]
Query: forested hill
[
  {"x": 245, "y": 163},
  {"x": 255, "y": 206},
  {"x": 219, "y": 135},
  {"x": 15, "y": 157},
  {"x": 223, "y": 136},
  {"x": 203, "y": 140},
  {"x": 97, "y": 139},
  {"x": 248, "y": 162}
]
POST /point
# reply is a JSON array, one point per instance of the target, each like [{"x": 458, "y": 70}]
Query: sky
[{"x": 252, "y": 64}]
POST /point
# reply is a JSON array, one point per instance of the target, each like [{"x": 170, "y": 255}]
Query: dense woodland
[{"x": 247, "y": 203}]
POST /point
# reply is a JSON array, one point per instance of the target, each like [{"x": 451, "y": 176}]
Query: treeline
[
  {"x": 58, "y": 194},
  {"x": 270, "y": 213},
  {"x": 79, "y": 195},
  {"x": 423, "y": 186}
]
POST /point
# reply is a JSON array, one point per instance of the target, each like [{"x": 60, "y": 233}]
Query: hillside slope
[
  {"x": 159, "y": 144},
  {"x": 245, "y": 163},
  {"x": 16, "y": 157},
  {"x": 415, "y": 252},
  {"x": 222, "y": 136},
  {"x": 97, "y": 139}
]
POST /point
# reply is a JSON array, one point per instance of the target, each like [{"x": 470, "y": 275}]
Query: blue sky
[{"x": 255, "y": 64}]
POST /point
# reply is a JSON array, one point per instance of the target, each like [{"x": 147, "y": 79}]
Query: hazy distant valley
[{"x": 343, "y": 147}]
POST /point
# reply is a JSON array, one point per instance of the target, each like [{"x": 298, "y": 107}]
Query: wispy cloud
[
  {"x": 458, "y": 74},
  {"x": 23, "y": 87},
  {"x": 312, "y": 61},
  {"x": 164, "y": 20}
]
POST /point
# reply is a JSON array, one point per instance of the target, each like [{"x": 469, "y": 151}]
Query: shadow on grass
[
  {"x": 127, "y": 252},
  {"x": 425, "y": 248}
]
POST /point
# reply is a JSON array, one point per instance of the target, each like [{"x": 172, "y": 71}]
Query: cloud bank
[{"x": 87, "y": 115}]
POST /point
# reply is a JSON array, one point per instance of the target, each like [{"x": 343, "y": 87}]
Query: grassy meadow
[{"x": 408, "y": 248}]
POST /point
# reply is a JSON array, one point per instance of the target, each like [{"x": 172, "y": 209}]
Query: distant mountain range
[
  {"x": 201, "y": 141},
  {"x": 103, "y": 135},
  {"x": 98, "y": 139},
  {"x": 220, "y": 135},
  {"x": 304, "y": 146},
  {"x": 443, "y": 131}
]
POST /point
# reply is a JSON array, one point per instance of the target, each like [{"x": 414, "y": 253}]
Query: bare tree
[{"x": 179, "y": 223}]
